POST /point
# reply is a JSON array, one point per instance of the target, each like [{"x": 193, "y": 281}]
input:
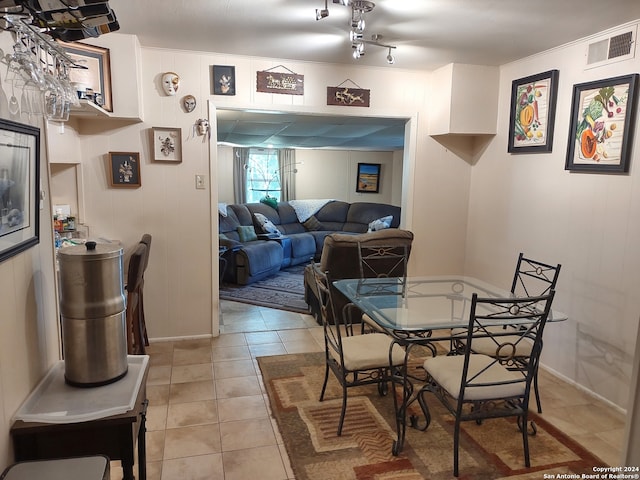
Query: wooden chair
[
  {"x": 474, "y": 386},
  {"x": 354, "y": 359},
  {"x": 146, "y": 239},
  {"x": 135, "y": 334}
]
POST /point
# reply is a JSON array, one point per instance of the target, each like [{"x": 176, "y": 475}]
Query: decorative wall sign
[
  {"x": 533, "y": 109},
  {"x": 348, "y": 97},
  {"x": 289, "y": 83},
  {"x": 166, "y": 144},
  {"x": 19, "y": 188},
  {"x": 602, "y": 118},
  {"x": 124, "y": 169},
  {"x": 224, "y": 80}
]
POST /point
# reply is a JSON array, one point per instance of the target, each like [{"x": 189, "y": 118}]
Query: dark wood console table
[{"x": 114, "y": 436}]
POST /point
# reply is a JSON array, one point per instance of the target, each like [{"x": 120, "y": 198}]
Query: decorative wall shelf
[{"x": 89, "y": 109}]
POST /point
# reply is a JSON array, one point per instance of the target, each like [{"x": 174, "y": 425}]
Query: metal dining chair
[
  {"x": 475, "y": 386},
  {"x": 354, "y": 359},
  {"x": 379, "y": 262},
  {"x": 531, "y": 278}
]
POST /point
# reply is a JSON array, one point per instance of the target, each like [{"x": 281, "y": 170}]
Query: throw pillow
[
  {"x": 380, "y": 224},
  {"x": 271, "y": 201},
  {"x": 247, "y": 233},
  {"x": 313, "y": 224},
  {"x": 266, "y": 225},
  {"x": 222, "y": 209}
]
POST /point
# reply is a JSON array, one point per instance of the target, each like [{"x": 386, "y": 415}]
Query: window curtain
[
  {"x": 287, "y": 166},
  {"x": 240, "y": 161}
]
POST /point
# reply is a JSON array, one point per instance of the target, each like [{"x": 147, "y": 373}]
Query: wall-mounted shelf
[{"x": 87, "y": 108}]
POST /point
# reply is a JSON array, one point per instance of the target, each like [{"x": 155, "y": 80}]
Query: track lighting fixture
[
  {"x": 358, "y": 24},
  {"x": 322, "y": 13}
]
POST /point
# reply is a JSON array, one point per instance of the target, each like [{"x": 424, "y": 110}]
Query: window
[{"x": 263, "y": 174}]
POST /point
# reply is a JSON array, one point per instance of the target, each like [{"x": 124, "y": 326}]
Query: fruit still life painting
[
  {"x": 533, "y": 101},
  {"x": 602, "y": 114}
]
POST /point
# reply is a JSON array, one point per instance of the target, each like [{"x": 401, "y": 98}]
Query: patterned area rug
[
  {"x": 492, "y": 450},
  {"x": 284, "y": 291}
]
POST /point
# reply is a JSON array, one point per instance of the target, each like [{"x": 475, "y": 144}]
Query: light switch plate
[{"x": 200, "y": 185}]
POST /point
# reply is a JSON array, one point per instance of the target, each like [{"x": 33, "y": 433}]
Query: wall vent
[{"x": 615, "y": 48}]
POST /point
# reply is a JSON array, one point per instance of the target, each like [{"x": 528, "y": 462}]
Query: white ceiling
[{"x": 428, "y": 34}]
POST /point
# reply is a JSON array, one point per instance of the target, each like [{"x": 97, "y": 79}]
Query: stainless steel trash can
[{"x": 93, "y": 310}]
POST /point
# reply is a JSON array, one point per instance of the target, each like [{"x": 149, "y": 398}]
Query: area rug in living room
[
  {"x": 283, "y": 290},
  {"x": 491, "y": 450}
]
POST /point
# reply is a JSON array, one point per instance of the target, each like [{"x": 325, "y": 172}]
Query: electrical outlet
[{"x": 200, "y": 185}]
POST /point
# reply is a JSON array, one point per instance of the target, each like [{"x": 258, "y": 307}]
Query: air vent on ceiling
[{"x": 611, "y": 49}]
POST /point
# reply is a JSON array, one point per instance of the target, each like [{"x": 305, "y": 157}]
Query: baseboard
[
  {"x": 177, "y": 339},
  {"x": 584, "y": 389}
]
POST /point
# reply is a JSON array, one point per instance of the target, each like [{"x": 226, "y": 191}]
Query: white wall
[
  {"x": 179, "y": 283},
  {"x": 28, "y": 324},
  {"x": 586, "y": 222},
  {"x": 327, "y": 173}
]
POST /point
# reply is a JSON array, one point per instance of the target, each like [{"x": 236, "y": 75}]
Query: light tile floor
[{"x": 208, "y": 415}]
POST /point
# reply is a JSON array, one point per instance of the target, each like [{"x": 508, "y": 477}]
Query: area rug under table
[
  {"x": 492, "y": 450},
  {"x": 283, "y": 290}
]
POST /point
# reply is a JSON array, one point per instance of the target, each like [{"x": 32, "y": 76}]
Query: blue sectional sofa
[{"x": 254, "y": 253}]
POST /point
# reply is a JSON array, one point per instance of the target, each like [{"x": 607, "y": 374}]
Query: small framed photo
[
  {"x": 96, "y": 74},
  {"x": 368, "y": 180},
  {"x": 533, "y": 111},
  {"x": 224, "y": 80},
  {"x": 166, "y": 144},
  {"x": 124, "y": 169},
  {"x": 602, "y": 122}
]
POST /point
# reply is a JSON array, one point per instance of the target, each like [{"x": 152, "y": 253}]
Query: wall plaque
[
  {"x": 278, "y": 82},
  {"x": 348, "y": 97}
]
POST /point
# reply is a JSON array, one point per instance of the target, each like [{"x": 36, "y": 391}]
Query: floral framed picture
[
  {"x": 602, "y": 121},
  {"x": 533, "y": 110},
  {"x": 125, "y": 169},
  {"x": 368, "y": 180},
  {"x": 166, "y": 144}
]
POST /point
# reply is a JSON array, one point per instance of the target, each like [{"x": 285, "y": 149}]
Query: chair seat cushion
[
  {"x": 447, "y": 372},
  {"x": 362, "y": 352}
]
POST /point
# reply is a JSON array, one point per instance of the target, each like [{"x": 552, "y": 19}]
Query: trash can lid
[{"x": 92, "y": 250}]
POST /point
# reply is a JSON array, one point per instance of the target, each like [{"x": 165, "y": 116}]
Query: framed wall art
[
  {"x": 19, "y": 188},
  {"x": 602, "y": 120},
  {"x": 166, "y": 144},
  {"x": 533, "y": 111},
  {"x": 97, "y": 74},
  {"x": 368, "y": 180},
  {"x": 224, "y": 80},
  {"x": 124, "y": 169}
]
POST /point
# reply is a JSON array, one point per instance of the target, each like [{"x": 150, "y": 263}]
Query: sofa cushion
[
  {"x": 265, "y": 224},
  {"x": 313, "y": 224},
  {"x": 346, "y": 259},
  {"x": 362, "y": 213},
  {"x": 247, "y": 233},
  {"x": 380, "y": 223}
]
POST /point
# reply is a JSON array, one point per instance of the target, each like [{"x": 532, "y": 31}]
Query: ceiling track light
[
  {"x": 358, "y": 24},
  {"x": 322, "y": 13},
  {"x": 390, "y": 58}
]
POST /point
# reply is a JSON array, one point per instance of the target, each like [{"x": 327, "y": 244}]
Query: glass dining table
[{"x": 419, "y": 311}]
